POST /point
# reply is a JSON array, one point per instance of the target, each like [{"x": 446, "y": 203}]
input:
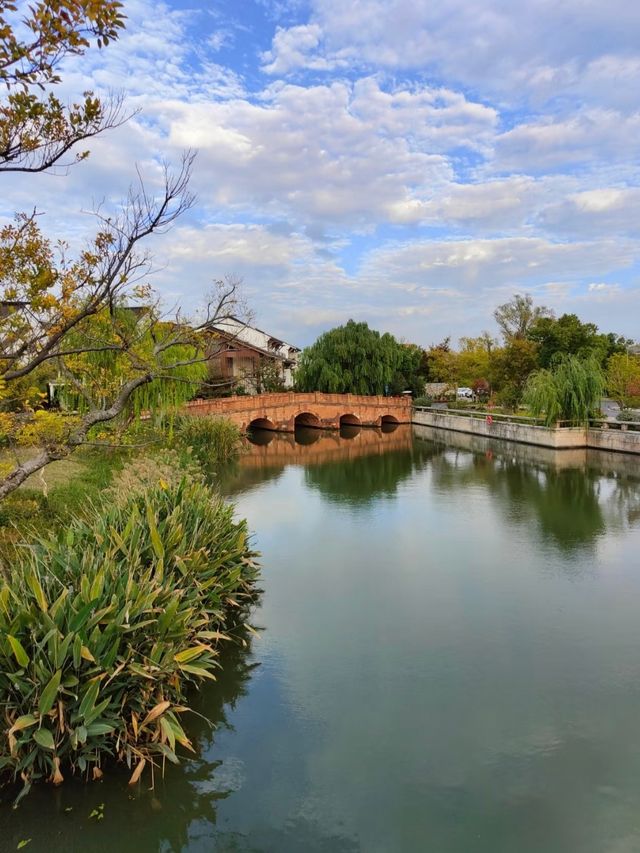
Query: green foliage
[
  {"x": 474, "y": 361},
  {"x": 629, "y": 415},
  {"x": 103, "y": 628},
  {"x": 354, "y": 359},
  {"x": 570, "y": 391},
  {"x": 509, "y": 370},
  {"x": 440, "y": 363},
  {"x": 623, "y": 378},
  {"x": 568, "y": 335},
  {"x": 213, "y": 441}
]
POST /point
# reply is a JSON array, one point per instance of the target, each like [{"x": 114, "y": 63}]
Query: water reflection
[
  {"x": 450, "y": 662},
  {"x": 574, "y": 496},
  {"x": 368, "y": 478}
]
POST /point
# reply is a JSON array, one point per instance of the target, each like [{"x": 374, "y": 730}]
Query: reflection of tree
[
  {"x": 564, "y": 501},
  {"x": 367, "y": 478}
]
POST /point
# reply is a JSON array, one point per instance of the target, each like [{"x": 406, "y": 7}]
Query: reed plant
[
  {"x": 213, "y": 441},
  {"x": 104, "y": 627}
]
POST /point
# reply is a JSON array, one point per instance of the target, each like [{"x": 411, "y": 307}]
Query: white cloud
[
  {"x": 588, "y": 136},
  {"x": 325, "y": 191},
  {"x": 337, "y": 153},
  {"x": 537, "y": 47}
]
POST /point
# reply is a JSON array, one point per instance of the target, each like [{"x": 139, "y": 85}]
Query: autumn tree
[
  {"x": 65, "y": 315},
  {"x": 623, "y": 378},
  {"x": 441, "y": 363},
  {"x": 38, "y": 130},
  {"x": 474, "y": 359}
]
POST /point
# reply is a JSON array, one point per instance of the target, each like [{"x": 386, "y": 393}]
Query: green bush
[
  {"x": 423, "y": 401},
  {"x": 213, "y": 441},
  {"x": 103, "y": 628}
]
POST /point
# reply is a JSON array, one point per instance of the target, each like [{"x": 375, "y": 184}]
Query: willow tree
[
  {"x": 351, "y": 359},
  {"x": 570, "y": 390}
]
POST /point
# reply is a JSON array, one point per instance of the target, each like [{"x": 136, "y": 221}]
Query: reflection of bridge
[
  {"x": 327, "y": 447},
  {"x": 285, "y": 411}
]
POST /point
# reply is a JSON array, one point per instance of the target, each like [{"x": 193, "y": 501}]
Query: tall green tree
[
  {"x": 571, "y": 390},
  {"x": 509, "y": 369},
  {"x": 568, "y": 335},
  {"x": 354, "y": 359}
]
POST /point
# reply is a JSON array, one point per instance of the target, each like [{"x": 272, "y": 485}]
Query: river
[{"x": 448, "y": 661}]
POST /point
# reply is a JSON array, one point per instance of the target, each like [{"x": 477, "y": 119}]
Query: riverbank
[
  {"x": 625, "y": 438},
  {"x": 155, "y": 570}
]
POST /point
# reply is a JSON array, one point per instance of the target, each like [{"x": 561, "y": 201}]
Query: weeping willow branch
[{"x": 571, "y": 390}]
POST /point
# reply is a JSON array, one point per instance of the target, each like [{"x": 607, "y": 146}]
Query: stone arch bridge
[{"x": 285, "y": 411}]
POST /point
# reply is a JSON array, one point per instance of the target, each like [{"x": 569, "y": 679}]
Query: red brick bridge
[{"x": 284, "y": 411}]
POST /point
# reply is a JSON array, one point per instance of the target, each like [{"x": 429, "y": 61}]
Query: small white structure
[{"x": 250, "y": 358}]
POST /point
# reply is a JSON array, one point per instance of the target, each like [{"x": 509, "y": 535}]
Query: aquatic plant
[
  {"x": 213, "y": 441},
  {"x": 104, "y": 627}
]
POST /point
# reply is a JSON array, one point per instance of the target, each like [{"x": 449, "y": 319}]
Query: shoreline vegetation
[{"x": 115, "y": 599}]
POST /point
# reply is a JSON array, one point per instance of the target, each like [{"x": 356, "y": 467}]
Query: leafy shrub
[
  {"x": 629, "y": 415},
  {"x": 103, "y": 628},
  {"x": 423, "y": 401},
  {"x": 212, "y": 440}
]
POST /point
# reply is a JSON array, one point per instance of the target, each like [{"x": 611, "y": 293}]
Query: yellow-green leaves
[
  {"x": 44, "y": 738},
  {"x": 23, "y": 722},
  {"x": 100, "y": 646},
  {"x": 18, "y": 650}
]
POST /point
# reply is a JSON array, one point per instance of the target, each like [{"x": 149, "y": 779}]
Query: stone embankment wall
[{"x": 618, "y": 440}]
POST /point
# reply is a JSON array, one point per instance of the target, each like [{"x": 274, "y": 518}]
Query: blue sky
[{"x": 412, "y": 163}]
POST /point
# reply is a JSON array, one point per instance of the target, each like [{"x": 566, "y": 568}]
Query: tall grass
[
  {"x": 103, "y": 627},
  {"x": 213, "y": 441}
]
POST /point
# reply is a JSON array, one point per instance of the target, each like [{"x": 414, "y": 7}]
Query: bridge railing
[{"x": 284, "y": 398}]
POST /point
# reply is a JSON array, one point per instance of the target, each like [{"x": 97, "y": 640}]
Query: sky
[{"x": 411, "y": 163}]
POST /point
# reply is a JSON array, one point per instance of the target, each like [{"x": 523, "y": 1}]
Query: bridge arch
[
  {"x": 389, "y": 423},
  {"x": 262, "y": 423},
  {"x": 307, "y": 419},
  {"x": 349, "y": 420}
]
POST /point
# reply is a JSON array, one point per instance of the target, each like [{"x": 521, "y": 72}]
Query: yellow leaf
[
  {"x": 155, "y": 712},
  {"x": 137, "y": 773},
  {"x": 190, "y": 654}
]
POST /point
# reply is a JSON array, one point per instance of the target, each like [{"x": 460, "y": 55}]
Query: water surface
[{"x": 450, "y": 661}]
